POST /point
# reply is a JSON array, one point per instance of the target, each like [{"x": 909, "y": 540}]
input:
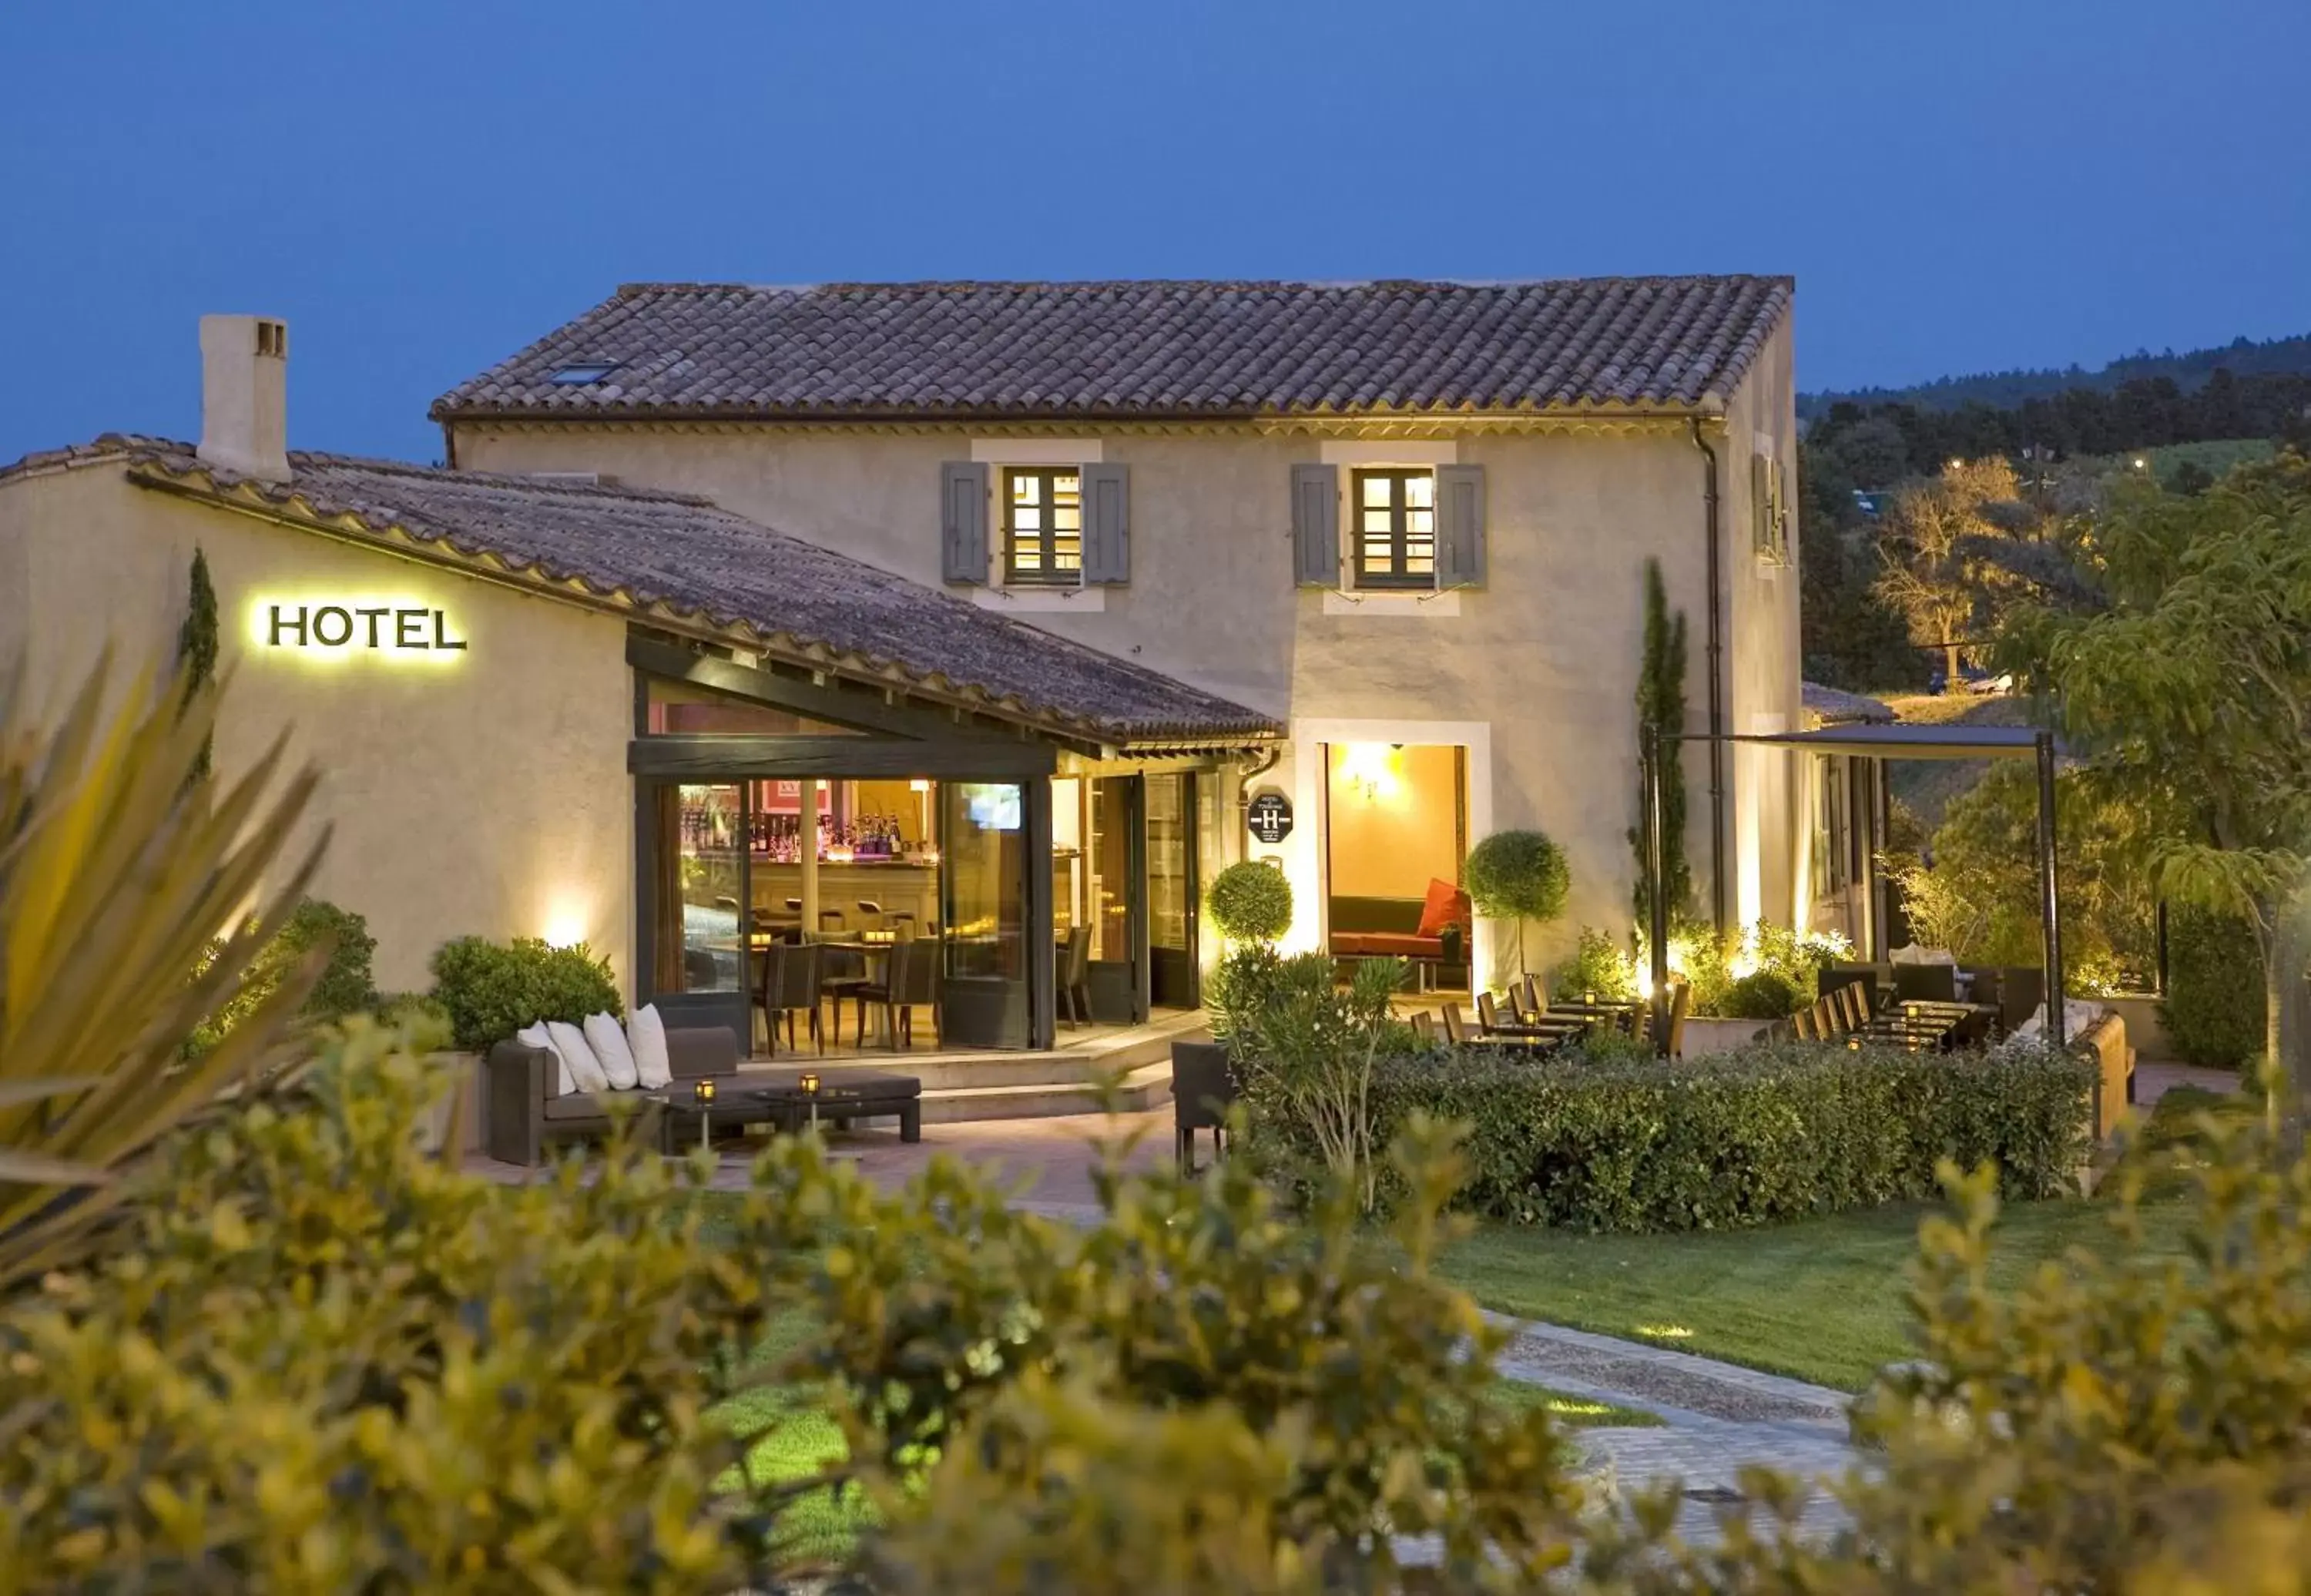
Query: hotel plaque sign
[{"x": 1269, "y": 816}]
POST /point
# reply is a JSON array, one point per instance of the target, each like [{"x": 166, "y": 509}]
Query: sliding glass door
[
  {"x": 987, "y": 991},
  {"x": 693, "y": 883},
  {"x": 1173, "y": 891}
]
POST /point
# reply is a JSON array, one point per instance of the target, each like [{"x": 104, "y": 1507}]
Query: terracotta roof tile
[{"x": 1135, "y": 349}]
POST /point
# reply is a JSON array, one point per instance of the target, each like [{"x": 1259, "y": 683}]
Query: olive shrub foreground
[{"x": 313, "y": 1356}]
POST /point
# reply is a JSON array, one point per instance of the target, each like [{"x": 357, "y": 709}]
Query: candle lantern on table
[
  {"x": 704, "y": 1091},
  {"x": 810, "y": 1084}
]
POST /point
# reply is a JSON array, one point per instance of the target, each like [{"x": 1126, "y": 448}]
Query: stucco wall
[
  {"x": 487, "y": 794},
  {"x": 1546, "y": 654},
  {"x": 1762, "y": 662}
]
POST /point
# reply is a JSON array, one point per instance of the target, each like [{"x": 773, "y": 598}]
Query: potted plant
[{"x": 1518, "y": 876}]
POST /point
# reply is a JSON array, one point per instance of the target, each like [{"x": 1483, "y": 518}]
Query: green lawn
[{"x": 1821, "y": 1299}]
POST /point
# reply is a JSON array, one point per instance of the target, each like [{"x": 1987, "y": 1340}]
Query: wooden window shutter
[
  {"x": 1459, "y": 525},
  {"x": 1765, "y": 507},
  {"x": 1316, "y": 526},
  {"x": 1106, "y": 524},
  {"x": 963, "y": 521}
]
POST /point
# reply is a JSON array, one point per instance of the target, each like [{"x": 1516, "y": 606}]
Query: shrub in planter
[
  {"x": 1605, "y": 1141},
  {"x": 1250, "y": 901},
  {"x": 2213, "y": 1009},
  {"x": 1599, "y": 967},
  {"x": 1761, "y": 995},
  {"x": 344, "y": 987},
  {"x": 490, "y": 990}
]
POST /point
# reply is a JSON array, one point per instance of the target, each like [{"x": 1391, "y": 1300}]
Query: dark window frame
[
  {"x": 1393, "y": 573},
  {"x": 1045, "y": 570}
]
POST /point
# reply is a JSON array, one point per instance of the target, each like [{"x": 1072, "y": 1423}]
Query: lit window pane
[
  {"x": 1420, "y": 565},
  {"x": 1068, "y": 487},
  {"x": 1028, "y": 518},
  {"x": 1375, "y": 490},
  {"x": 1066, "y": 516},
  {"x": 1025, "y": 489},
  {"x": 1420, "y": 491},
  {"x": 1377, "y": 520},
  {"x": 1420, "y": 523}
]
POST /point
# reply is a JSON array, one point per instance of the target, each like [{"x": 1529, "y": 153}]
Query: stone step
[{"x": 1146, "y": 1088}]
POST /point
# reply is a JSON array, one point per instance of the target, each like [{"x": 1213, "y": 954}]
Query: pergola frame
[{"x": 1879, "y": 743}]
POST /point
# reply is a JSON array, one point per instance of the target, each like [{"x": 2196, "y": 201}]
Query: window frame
[
  {"x": 1045, "y": 572},
  {"x": 1391, "y": 577}
]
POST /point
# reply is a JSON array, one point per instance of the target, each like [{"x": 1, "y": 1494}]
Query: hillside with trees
[{"x": 2242, "y": 357}]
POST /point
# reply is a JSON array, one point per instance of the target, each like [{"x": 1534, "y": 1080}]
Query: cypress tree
[
  {"x": 1660, "y": 706},
  {"x": 197, "y": 644}
]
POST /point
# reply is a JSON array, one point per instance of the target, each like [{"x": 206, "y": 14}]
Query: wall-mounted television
[{"x": 993, "y": 808}]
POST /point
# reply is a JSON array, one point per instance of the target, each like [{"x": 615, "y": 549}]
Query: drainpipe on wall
[{"x": 1710, "y": 531}]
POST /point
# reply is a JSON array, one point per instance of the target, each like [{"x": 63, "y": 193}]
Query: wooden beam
[
  {"x": 866, "y": 711},
  {"x": 711, "y": 758}
]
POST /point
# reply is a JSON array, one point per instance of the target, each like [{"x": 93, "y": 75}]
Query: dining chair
[
  {"x": 1802, "y": 1022},
  {"x": 1829, "y": 1018},
  {"x": 1536, "y": 1002},
  {"x": 1926, "y": 983},
  {"x": 1488, "y": 1015},
  {"x": 1073, "y": 985},
  {"x": 1424, "y": 1025},
  {"x": 1449, "y": 1016},
  {"x": 790, "y": 982},
  {"x": 1856, "y": 998},
  {"x": 909, "y": 981}
]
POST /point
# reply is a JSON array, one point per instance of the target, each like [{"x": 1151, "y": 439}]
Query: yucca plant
[{"x": 118, "y": 869}]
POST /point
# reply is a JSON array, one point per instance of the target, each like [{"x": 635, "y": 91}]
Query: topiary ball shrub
[
  {"x": 490, "y": 990},
  {"x": 1761, "y": 995},
  {"x": 1518, "y": 876},
  {"x": 1250, "y": 901}
]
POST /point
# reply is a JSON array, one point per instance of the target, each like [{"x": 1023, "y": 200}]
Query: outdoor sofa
[{"x": 523, "y": 1107}]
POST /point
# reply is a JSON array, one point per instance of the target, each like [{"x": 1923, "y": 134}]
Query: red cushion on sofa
[
  {"x": 1447, "y": 905},
  {"x": 1384, "y": 945}
]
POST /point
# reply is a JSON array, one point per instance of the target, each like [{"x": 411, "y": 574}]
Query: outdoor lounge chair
[
  {"x": 1926, "y": 983},
  {"x": 523, "y": 1106}
]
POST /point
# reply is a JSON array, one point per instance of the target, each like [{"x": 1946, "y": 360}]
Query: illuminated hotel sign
[{"x": 396, "y": 628}]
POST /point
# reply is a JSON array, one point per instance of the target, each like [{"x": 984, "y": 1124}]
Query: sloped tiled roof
[
  {"x": 1834, "y": 706},
  {"x": 1135, "y": 349},
  {"x": 703, "y": 563}
]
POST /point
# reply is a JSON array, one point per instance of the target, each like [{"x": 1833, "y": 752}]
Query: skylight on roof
[{"x": 579, "y": 376}]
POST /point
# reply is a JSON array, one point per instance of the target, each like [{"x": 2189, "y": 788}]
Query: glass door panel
[
  {"x": 1172, "y": 890},
  {"x": 1118, "y": 960},
  {"x": 698, "y": 962},
  {"x": 984, "y": 889}
]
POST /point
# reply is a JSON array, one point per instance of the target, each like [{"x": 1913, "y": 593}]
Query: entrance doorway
[{"x": 1395, "y": 825}]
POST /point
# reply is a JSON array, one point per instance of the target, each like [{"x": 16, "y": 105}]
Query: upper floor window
[
  {"x": 1042, "y": 525},
  {"x": 1395, "y": 528}
]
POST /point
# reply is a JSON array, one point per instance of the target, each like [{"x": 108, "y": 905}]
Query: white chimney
[{"x": 245, "y": 395}]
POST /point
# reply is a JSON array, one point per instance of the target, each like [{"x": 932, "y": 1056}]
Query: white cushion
[
  {"x": 585, "y": 1068},
  {"x": 1910, "y": 953},
  {"x": 646, "y": 1034},
  {"x": 537, "y": 1035},
  {"x": 608, "y": 1038}
]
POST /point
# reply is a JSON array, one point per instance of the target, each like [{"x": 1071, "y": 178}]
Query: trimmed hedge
[
  {"x": 1612, "y": 1143},
  {"x": 2213, "y": 1008}
]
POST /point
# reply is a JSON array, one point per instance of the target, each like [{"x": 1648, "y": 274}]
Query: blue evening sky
[{"x": 423, "y": 187}]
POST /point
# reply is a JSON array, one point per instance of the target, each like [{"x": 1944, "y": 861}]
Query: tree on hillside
[
  {"x": 1935, "y": 572},
  {"x": 1849, "y": 639},
  {"x": 2190, "y": 689}
]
